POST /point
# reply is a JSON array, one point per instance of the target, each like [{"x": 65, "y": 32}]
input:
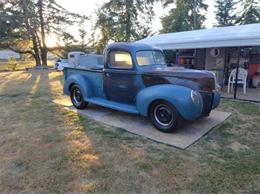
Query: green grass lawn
[{"x": 45, "y": 148}]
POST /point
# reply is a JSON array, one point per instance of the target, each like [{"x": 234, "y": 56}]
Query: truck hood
[
  {"x": 177, "y": 72},
  {"x": 195, "y": 79}
]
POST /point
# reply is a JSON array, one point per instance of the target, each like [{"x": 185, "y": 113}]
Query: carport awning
[{"x": 234, "y": 36}]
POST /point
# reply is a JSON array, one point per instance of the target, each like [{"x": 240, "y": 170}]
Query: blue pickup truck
[{"x": 135, "y": 79}]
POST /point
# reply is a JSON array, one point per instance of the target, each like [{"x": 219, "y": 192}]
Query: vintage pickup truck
[{"x": 135, "y": 79}]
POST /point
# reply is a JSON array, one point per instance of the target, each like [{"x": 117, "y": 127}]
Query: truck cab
[{"x": 136, "y": 79}]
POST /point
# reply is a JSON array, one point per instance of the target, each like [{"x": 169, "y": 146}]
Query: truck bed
[{"x": 92, "y": 76}]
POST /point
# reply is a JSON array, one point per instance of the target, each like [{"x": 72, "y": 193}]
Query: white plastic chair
[{"x": 241, "y": 79}]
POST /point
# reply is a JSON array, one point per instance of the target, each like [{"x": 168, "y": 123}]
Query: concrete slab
[{"x": 182, "y": 138}]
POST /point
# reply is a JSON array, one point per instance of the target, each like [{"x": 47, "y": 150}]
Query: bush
[{"x": 11, "y": 63}]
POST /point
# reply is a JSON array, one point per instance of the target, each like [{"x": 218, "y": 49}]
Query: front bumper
[{"x": 216, "y": 100}]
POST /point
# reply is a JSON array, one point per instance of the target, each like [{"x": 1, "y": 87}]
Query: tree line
[{"x": 25, "y": 24}]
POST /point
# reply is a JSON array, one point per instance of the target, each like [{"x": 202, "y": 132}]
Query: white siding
[{"x": 6, "y": 54}]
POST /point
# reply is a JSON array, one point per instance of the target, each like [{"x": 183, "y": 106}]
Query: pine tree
[
  {"x": 185, "y": 16},
  {"x": 225, "y": 13},
  {"x": 250, "y": 13},
  {"x": 123, "y": 20},
  {"x": 176, "y": 20}
]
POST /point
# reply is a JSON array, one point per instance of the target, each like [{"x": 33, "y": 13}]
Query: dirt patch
[
  {"x": 2, "y": 139},
  {"x": 236, "y": 146},
  {"x": 215, "y": 145},
  {"x": 2, "y": 79},
  {"x": 250, "y": 117}
]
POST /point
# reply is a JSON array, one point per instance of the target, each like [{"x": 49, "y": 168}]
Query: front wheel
[
  {"x": 77, "y": 98},
  {"x": 164, "y": 116}
]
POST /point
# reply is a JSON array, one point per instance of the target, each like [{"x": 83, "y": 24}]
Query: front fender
[
  {"x": 80, "y": 81},
  {"x": 178, "y": 96}
]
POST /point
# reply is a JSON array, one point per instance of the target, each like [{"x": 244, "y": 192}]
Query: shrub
[{"x": 11, "y": 63}]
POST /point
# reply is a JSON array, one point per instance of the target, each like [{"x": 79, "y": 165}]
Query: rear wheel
[
  {"x": 77, "y": 98},
  {"x": 164, "y": 116}
]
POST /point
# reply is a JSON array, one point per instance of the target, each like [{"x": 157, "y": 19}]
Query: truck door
[{"x": 120, "y": 77}]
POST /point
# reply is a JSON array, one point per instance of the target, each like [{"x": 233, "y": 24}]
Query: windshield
[{"x": 145, "y": 58}]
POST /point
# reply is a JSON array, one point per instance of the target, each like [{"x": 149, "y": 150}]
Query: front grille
[
  {"x": 207, "y": 103},
  {"x": 207, "y": 84}
]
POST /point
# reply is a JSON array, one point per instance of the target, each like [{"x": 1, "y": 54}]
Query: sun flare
[{"x": 51, "y": 41}]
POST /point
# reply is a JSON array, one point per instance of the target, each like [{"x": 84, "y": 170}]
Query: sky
[{"x": 88, "y": 7}]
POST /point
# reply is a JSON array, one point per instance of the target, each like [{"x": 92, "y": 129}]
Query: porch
[
  {"x": 252, "y": 94},
  {"x": 221, "y": 50}
]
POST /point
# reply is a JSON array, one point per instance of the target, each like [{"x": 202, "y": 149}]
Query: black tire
[
  {"x": 164, "y": 116},
  {"x": 77, "y": 98}
]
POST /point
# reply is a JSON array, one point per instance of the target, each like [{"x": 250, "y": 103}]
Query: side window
[{"x": 120, "y": 60}]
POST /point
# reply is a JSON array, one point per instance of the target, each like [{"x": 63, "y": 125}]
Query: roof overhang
[{"x": 234, "y": 36}]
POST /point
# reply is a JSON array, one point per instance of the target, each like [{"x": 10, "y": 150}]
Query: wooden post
[
  {"x": 225, "y": 67},
  {"x": 238, "y": 60},
  {"x": 177, "y": 57}
]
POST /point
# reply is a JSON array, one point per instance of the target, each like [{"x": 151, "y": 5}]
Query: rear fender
[
  {"x": 178, "y": 96},
  {"x": 81, "y": 82}
]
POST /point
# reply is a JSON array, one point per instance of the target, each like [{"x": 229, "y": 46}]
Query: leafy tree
[
  {"x": 122, "y": 20},
  {"x": 12, "y": 63},
  {"x": 14, "y": 26},
  {"x": 33, "y": 20},
  {"x": 83, "y": 45},
  {"x": 250, "y": 13},
  {"x": 225, "y": 14},
  {"x": 71, "y": 44},
  {"x": 186, "y": 15}
]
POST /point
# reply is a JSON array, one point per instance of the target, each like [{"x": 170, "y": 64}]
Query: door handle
[{"x": 108, "y": 74}]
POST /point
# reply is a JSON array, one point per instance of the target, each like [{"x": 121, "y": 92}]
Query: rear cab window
[{"x": 120, "y": 60}]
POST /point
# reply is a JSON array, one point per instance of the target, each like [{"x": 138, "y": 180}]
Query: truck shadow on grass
[{"x": 48, "y": 149}]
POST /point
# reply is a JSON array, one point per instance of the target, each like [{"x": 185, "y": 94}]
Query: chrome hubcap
[
  {"x": 77, "y": 97},
  {"x": 163, "y": 115}
]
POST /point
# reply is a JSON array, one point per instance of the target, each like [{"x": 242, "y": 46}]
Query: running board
[{"x": 113, "y": 105}]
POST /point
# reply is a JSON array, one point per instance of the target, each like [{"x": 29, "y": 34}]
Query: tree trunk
[
  {"x": 35, "y": 45},
  {"x": 30, "y": 28},
  {"x": 44, "y": 49},
  {"x": 36, "y": 59},
  {"x": 37, "y": 56},
  {"x": 36, "y": 49},
  {"x": 194, "y": 15},
  {"x": 128, "y": 21}
]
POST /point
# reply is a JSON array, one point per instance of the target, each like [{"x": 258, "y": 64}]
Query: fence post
[{"x": 238, "y": 60}]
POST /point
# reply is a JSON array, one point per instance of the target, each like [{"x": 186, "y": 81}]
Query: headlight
[
  {"x": 217, "y": 86},
  {"x": 215, "y": 79},
  {"x": 194, "y": 96}
]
